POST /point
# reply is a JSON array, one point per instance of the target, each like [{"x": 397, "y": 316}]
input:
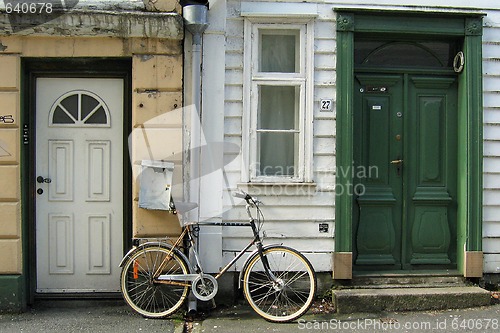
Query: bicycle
[{"x": 278, "y": 281}]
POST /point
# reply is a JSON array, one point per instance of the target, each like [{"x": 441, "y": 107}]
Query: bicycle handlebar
[
  {"x": 247, "y": 197},
  {"x": 241, "y": 195}
]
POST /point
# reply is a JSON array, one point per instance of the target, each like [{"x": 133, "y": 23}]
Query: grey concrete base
[{"x": 408, "y": 299}]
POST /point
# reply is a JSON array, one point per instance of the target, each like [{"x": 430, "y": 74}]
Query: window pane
[
  {"x": 61, "y": 117},
  {"x": 279, "y": 52},
  {"x": 277, "y": 154},
  {"x": 98, "y": 117},
  {"x": 89, "y": 103},
  {"x": 70, "y": 103},
  {"x": 405, "y": 54},
  {"x": 278, "y": 107}
]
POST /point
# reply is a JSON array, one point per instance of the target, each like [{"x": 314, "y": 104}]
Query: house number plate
[{"x": 326, "y": 105}]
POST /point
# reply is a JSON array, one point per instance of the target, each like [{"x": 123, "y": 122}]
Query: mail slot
[{"x": 155, "y": 184}]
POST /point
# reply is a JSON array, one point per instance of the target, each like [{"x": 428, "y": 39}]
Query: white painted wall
[
  {"x": 290, "y": 219},
  {"x": 293, "y": 219},
  {"x": 491, "y": 179}
]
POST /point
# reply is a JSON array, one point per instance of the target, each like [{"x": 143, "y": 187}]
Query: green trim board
[
  {"x": 64, "y": 67},
  {"x": 344, "y": 150},
  {"x": 469, "y": 173}
]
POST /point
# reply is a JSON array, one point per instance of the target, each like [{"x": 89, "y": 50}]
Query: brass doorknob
[{"x": 397, "y": 162}]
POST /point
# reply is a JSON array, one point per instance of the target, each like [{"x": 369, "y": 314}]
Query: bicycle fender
[
  {"x": 250, "y": 257},
  {"x": 160, "y": 244},
  {"x": 125, "y": 257}
]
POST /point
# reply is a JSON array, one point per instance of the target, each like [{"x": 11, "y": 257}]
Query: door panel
[
  {"x": 431, "y": 171},
  {"x": 61, "y": 237},
  {"x": 79, "y": 205},
  {"x": 98, "y": 173},
  {"x": 99, "y": 241},
  {"x": 405, "y": 132},
  {"x": 61, "y": 159},
  {"x": 377, "y": 225}
]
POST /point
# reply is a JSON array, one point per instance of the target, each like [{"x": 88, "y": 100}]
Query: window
[
  {"x": 381, "y": 53},
  {"x": 278, "y": 91},
  {"x": 79, "y": 109}
]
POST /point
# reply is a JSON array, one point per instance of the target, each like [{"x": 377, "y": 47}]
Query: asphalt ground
[
  {"x": 241, "y": 318},
  {"x": 86, "y": 316},
  {"x": 115, "y": 316}
]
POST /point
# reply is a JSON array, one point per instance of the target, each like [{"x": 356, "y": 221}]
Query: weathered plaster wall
[
  {"x": 153, "y": 40},
  {"x": 10, "y": 228}
]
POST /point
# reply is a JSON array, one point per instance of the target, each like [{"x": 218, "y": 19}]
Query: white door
[{"x": 79, "y": 198}]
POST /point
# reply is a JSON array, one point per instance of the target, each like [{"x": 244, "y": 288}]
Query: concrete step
[
  {"x": 405, "y": 281},
  {"x": 409, "y": 299}
]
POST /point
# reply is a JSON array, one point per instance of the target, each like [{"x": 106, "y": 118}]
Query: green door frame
[{"x": 470, "y": 124}]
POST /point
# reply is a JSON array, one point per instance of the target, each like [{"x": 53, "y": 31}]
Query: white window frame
[{"x": 253, "y": 79}]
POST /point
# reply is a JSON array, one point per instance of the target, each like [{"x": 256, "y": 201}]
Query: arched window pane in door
[
  {"x": 79, "y": 108},
  {"x": 434, "y": 54}
]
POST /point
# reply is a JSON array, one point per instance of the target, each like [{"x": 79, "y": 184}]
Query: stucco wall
[
  {"x": 10, "y": 229},
  {"x": 154, "y": 43}
]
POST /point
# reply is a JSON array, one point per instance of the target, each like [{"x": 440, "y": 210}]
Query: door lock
[
  {"x": 398, "y": 163},
  {"x": 41, "y": 180}
]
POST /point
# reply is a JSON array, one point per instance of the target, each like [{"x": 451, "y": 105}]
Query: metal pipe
[{"x": 195, "y": 17}]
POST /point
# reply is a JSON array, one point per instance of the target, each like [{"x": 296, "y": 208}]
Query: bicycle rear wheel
[
  {"x": 146, "y": 296},
  {"x": 290, "y": 295}
]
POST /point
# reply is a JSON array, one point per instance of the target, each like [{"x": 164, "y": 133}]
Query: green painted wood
[
  {"x": 344, "y": 144},
  {"x": 419, "y": 25},
  {"x": 377, "y": 218},
  {"x": 474, "y": 109},
  {"x": 470, "y": 148},
  {"x": 469, "y": 116},
  {"x": 431, "y": 171},
  {"x": 406, "y": 217}
]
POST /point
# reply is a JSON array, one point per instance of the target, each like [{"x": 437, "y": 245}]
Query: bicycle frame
[
  {"x": 278, "y": 281},
  {"x": 178, "y": 279}
]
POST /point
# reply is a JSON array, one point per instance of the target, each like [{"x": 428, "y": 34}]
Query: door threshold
[
  {"x": 79, "y": 296},
  {"x": 445, "y": 272}
]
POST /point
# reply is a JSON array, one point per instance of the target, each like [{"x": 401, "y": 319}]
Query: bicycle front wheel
[
  {"x": 146, "y": 295},
  {"x": 288, "y": 292}
]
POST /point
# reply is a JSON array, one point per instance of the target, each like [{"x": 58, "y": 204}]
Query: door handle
[
  {"x": 397, "y": 162},
  {"x": 41, "y": 180}
]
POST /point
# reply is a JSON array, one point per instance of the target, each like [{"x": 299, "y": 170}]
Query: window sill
[
  {"x": 277, "y": 183},
  {"x": 279, "y": 188}
]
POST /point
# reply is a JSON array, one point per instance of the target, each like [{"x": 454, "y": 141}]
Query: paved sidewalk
[
  {"x": 241, "y": 319},
  {"x": 115, "y": 316},
  {"x": 86, "y": 316}
]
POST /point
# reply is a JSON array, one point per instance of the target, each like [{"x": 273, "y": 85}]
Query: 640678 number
[
  {"x": 29, "y": 8},
  {"x": 474, "y": 324}
]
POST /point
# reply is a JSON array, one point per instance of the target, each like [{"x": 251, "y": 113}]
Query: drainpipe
[{"x": 195, "y": 19}]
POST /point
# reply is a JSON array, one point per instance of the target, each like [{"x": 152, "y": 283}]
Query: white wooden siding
[
  {"x": 293, "y": 219},
  {"x": 491, "y": 147}
]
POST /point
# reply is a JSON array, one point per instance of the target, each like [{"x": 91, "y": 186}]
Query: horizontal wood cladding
[
  {"x": 292, "y": 218},
  {"x": 491, "y": 146},
  {"x": 295, "y": 212}
]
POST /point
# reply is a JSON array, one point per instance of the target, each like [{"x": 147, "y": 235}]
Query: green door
[{"x": 405, "y": 169}]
